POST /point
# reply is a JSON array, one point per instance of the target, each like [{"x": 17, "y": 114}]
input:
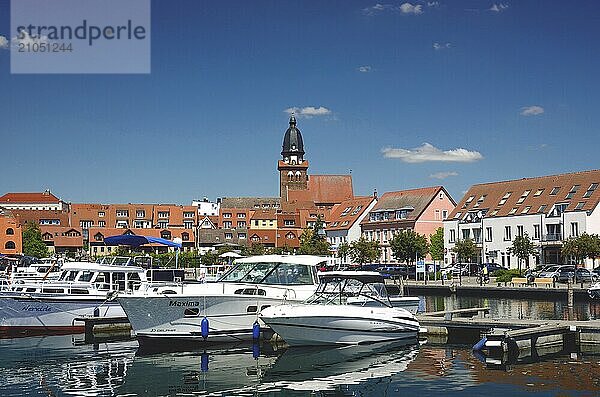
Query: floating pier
[{"x": 99, "y": 328}]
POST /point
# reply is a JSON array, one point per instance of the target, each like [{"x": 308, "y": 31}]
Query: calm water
[{"x": 63, "y": 366}]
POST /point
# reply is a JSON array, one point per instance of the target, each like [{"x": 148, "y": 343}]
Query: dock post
[{"x": 401, "y": 286}]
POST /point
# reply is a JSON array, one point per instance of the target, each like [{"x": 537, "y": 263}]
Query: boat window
[
  {"x": 86, "y": 276},
  {"x": 103, "y": 281},
  {"x": 52, "y": 290},
  {"x": 191, "y": 312},
  {"x": 118, "y": 281},
  {"x": 250, "y": 291},
  {"x": 263, "y": 307},
  {"x": 79, "y": 291},
  {"x": 71, "y": 276},
  {"x": 133, "y": 280},
  {"x": 251, "y": 309},
  {"x": 30, "y": 290},
  {"x": 120, "y": 261},
  {"x": 289, "y": 274}
]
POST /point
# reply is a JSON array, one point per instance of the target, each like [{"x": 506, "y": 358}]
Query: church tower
[{"x": 292, "y": 167}]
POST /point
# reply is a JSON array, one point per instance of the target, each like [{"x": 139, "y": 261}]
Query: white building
[
  {"x": 45, "y": 201},
  {"x": 206, "y": 207},
  {"x": 344, "y": 222},
  {"x": 549, "y": 209}
]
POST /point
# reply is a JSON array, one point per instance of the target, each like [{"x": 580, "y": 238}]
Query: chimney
[{"x": 375, "y": 193}]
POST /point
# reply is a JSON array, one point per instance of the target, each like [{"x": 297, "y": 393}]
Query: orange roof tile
[
  {"x": 324, "y": 189},
  {"x": 347, "y": 212},
  {"x": 528, "y": 195},
  {"x": 43, "y": 197}
]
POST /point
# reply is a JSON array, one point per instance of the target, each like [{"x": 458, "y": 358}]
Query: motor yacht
[
  {"x": 225, "y": 310},
  {"x": 347, "y": 308},
  {"x": 83, "y": 289}
]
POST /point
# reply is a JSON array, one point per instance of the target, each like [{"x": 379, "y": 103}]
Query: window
[
  {"x": 241, "y": 214},
  {"x": 401, "y": 214},
  {"x": 345, "y": 223},
  {"x": 226, "y": 224},
  {"x": 98, "y": 237},
  {"x": 241, "y": 224},
  {"x": 480, "y": 201},
  {"x": 437, "y": 215},
  {"x": 86, "y": 224},
  {"x": 526, "y": 209},
  {"x": 226, "y": 214},
  {"x": 457, "y": 215},
  {"x": 504, "y": 198},
  {"x": 572, "y": 192},
  {"x": 488, "y": 234},
  {"x": 444, "y": 214},
  {"x": 163, "y": 224},
  {"x": 574, "y": 229},
  {"x": 477, "y": 235},
  {"x": 140, "y": 213},
  {"x": 346, "y": 211},
  {"x": 520, "y": 230},
  {"x": 102, "y": 223},
  {"x": 188, "y": 224},
  {"x": 185, "y": 236},
  {"x": 357, "y": 210},
  {"x": 441, "y": 196},
  {"x": 188, "y": 214},
  {"x": 468, "y": 201},
  {"x": 10, "y": 245},
  {"x": 538, "y": 192},
  {"x": 554, "y": 190},
  {"x": 536, "y": 232},
  {"x": 590, "y": 190},
  {"x": 512, "y": 211},
  {"x": 579, "y": 205},
  {"x": 542, "y": 209},
  {"x": 101, "y": 214},
  {"x": 10, "y": 231},
  {"x": 256, "y": 223},
  {"x": 558, "y": 209},
  {"x": 452, "y": 235},
  {"x": 163, "y": 214},
  {"x": 122, "y": 213},
  {"x": 242, "y": 236},
  {"x": 289, "y": 222},
  {"x": 466, "y": 233},
  {"x": 523, "y": 196},
  {"x": 228, "y": 236},
  {"x": 290, "y": 236},
  {"x": 507, "y": 233},
  {"x": 493, "y": 213}
]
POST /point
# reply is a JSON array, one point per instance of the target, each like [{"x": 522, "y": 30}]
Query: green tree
[
  {"x": 436, "y": 246},
  {"x": 364, "y": 251},
  {"x": 465, "y": 250},
  {"x": 254, "y": 249},
  {"x": 313, "y": 243},
  {"x": 522, "y": 247},
  {"x": 33, "y": 245},
  {"x": 408, "y": 246},
  {"x": 209, "y": 258},
  {"x": 582, "y": 247},
  {"x": 343, "y": 251}
]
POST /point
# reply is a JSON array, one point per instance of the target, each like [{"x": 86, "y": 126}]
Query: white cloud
[
  {"x": 405, "y": 8},
  {"x": 3, "y": 42},
  {"x": 428, "y": 152},
  {"x": 364, "y": 69},
  {"x": 443, "y": 174},
  {"x": 308, "y": 111},
  {"x": 498, "y": 7},
  {"x": 441, "y": 46},
  {"x": 433, "y": 4},
  {"x": 531, "y": 110}
]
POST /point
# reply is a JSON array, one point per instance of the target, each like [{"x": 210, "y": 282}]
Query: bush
[{"x": 506, "y": 275}]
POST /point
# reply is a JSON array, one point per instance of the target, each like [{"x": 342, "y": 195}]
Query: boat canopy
[
  {"x": 135, "y": 240},
  {"x": 363, "y": 277}
]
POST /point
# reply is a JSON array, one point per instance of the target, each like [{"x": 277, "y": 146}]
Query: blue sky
[{"x": 514, "y": 84}]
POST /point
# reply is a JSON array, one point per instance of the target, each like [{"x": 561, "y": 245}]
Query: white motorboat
[
  {"x": 347, "y": 308},
  {"x": 223, "y": 311},
  {"x": 594, "y": 291},
  {"x": 83, "y": 289}
]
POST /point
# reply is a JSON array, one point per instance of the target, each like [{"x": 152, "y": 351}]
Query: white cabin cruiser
[
  {"x": 223, "y": 311},
  {"x": 594, "y": 291},
  {"x": 347, "y": 308},
  {"x": 83, "y": 289}
]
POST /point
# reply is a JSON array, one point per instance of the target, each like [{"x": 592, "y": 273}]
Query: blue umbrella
[{"x": 135, "y": 241}]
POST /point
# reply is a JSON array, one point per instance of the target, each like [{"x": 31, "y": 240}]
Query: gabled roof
[
  {"x": 264, "y": 215},
  {"x": 494, "y": 200},
  {"x": 324, "y": 189},
  {"x": 347, "y": 212},
  {"x": 30, "y": 198},
  {"x": 249, "y": 202},
  {"x": 413, "y": 200}
]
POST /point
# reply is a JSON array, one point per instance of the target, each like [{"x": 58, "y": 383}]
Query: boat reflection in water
[
  {"x": 245, "y": 370},
  {"x": 59, "y": 365}
]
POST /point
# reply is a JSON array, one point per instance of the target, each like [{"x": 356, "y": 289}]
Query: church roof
[{"x": 325, "y": 189}]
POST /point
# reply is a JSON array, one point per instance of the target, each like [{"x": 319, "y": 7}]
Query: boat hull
[
  {"x": 312, "y": 325},
  {"x": 31, "y": 315}
]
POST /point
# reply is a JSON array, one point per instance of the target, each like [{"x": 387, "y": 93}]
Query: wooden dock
[{"x": 508, "y": 339}]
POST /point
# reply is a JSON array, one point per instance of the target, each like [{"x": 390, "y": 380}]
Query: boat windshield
[
  {"x": 270, "y": 273},
  {"x": 343, "y": 291}
]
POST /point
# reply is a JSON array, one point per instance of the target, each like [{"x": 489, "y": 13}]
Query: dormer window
[
  {"x": 346, "y": 211},
  {"x": 538, "y": 193},
  {"x": 572, "y": 192},
  {"x": 523, "y": 196},
  {"x": 554, "y": 190},
  {"x": 590, "y": 190},
  {"x": 504, "y": 198}
]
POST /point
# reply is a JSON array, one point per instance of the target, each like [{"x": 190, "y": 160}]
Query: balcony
[{"x": 552, "y": 237}]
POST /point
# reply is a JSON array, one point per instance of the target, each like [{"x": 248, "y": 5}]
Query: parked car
[
  {"x": 579, "y": 275},
  {"x": 554, "y": 271},
  {"x": 493, "y": 268}
]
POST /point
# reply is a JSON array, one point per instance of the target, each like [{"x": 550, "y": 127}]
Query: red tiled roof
[
  {"x": 351, "y": 210},
  {"x": 490, "y": 196},
  {"x": 416, "y": 200},
  {"x": 324, "y": 189},
  {"x": 44, "y": 197},
  {"x": 264, "y": 215}
]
